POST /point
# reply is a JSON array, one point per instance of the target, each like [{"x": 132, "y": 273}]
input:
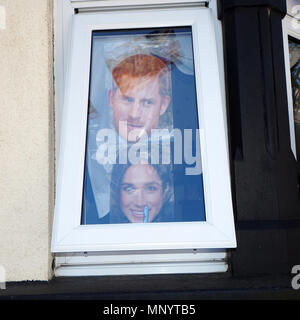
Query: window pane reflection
[
  {"x": 294, "y": 47},
  {"x": 143, "y": 152}
]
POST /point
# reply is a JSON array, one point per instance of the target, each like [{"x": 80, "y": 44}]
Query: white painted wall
[{"x": 26, "y": 138}]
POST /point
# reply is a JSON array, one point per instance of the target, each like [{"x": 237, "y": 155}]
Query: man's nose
[{"x": 135, "y": 110}]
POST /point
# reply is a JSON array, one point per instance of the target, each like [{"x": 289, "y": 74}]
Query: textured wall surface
[{"x": 26, "y": 138}]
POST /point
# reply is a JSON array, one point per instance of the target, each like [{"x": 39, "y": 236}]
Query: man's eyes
[
  {"x": 144, "y": 102},
  {"x": 127, "y": 99},
  {"x": 148, "y": 102}
]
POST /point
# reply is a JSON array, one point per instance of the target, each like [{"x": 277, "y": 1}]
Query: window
[
  {"x": 294, "y": 47},
  {"x": 172, "y": 181},
  {"x": 142, "y": 109},
  {"x": 291, "y": 32}
]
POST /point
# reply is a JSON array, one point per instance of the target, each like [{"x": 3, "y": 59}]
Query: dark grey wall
[{"x": 265, "y": 178}]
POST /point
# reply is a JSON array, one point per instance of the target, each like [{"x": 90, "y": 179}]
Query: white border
[
  {"x": 62, "y": 17},
  {"x": 142, "y": 268},
  {"x": 132, "y": 4},
  {"x": 218, "y": 231},
  {"x": 140, "y": 262}
]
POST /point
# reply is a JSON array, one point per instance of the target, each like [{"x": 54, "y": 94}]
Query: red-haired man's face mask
[{"x": 137, "y": 106}]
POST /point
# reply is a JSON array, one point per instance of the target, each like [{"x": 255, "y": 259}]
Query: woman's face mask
[{"x": 141, "y": 187}]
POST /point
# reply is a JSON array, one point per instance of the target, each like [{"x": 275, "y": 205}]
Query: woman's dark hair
[{"x": 118, "y": 172}]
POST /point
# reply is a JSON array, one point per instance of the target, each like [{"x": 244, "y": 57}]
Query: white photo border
[{"x": 218, "y": 230}]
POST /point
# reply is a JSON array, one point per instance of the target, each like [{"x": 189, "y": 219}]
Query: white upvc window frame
[
  {"x": 290, "y": 27},
  {"x": 67, "y": 229}
]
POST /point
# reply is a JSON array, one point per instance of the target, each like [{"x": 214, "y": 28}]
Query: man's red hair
[{"x": 127, "y": 72}]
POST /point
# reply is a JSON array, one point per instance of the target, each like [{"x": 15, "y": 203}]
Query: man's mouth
[{"x": 135, "y": 131}]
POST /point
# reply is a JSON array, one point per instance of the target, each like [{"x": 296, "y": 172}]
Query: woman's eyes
[
  {"x": 151, "y": 188},
  {"x": 147, "y": 188},
  {"x": 128, "y": 188}
]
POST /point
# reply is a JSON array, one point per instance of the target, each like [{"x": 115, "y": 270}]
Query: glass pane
[
  {"x": 142, "y": 159},
  {"x": 294, "y": 47},
  {"x": 291, "y": 6}
]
